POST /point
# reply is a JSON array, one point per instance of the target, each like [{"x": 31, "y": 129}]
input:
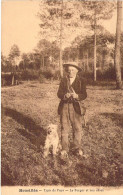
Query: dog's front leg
[
  {"x": 55, "y": 149},
  {"x": 46, "y": 148},
  {"x": 85, "y": 121}
]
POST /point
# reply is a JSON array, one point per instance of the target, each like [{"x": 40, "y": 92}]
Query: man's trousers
[{"x": 70, "y": 118}]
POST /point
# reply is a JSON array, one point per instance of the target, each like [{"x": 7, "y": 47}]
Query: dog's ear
[
  {"x": 50, "y": 126},
  {"x": 56, "y": 126},
  {"x": 46, "y": 127}
]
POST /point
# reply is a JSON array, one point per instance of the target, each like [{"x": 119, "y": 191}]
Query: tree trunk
[
  {"x": 13, "y": 79},
  {"x": 77, "y": 54},
  {"x": 117, "y": 46},
  {"x": 84, "y": 60},
  {"x": 95, "y": 49},
  {"x": 61, "y": 28},
  {"x": 87, "y": 65},
  {"x": 43, "y": 62}
]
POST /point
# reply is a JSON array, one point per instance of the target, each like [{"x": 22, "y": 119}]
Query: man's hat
[{"x": 75, "y": 65}]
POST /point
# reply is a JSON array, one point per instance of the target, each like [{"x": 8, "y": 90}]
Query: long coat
[{"x": 79, "y": 87}]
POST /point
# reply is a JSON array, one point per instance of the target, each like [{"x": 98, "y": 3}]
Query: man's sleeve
[
  {"x": 61, "y": 91},
  {"x": 83, "y": 93}
]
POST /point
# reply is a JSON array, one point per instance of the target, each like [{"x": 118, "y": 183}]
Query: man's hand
[
  {"x": 74, "y": 95},
  {"x": 67, "y": 95}
]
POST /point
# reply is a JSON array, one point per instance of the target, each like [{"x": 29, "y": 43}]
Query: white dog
[{"x": 52, "y": 140}]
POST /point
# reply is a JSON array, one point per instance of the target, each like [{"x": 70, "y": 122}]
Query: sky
[{"x": 20, "y": 25}]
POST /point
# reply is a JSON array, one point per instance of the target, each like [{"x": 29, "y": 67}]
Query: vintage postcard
[{"x": 61, "y": 97}]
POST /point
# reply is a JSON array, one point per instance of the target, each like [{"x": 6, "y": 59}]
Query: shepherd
[{"x": 72, "y": 91}]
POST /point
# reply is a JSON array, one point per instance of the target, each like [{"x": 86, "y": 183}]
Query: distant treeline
[{"x": 43, "y": 62}]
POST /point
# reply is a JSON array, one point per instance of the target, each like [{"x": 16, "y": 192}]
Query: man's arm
[
  {"x": 83, "y": 94},
  {"x": 61, "y": 91}
]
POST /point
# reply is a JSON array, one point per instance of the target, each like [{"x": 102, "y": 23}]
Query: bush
[
  {"x": 48, "y": 74},
  {"x": 3, "y": 82},
  {"x": 108, "y": 74},
  {"x": 41, "y": 78},
  {"x": 51, "y": 73},
  {"x": 6, "y": 79},
  {"x": 57, "y": 75},
  {"x": 29, "y": 75},
  {"x": 102, "y": 75}
]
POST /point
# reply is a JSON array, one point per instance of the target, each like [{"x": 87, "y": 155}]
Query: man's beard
[{"x": 71, "y": 76}]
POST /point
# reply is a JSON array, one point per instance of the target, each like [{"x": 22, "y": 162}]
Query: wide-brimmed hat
[{"x": 73, "y": 64}]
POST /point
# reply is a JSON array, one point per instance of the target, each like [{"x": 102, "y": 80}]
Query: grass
[{"x": 29, "y": 107}]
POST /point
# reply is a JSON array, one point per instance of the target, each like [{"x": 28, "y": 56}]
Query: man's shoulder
[{"x": 81, "y": 78}]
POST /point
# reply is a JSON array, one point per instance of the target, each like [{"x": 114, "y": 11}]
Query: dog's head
[{"x": 52, "y": 128}]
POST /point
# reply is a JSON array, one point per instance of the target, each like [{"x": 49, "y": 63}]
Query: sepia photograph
[{"x": 61, "y": 96}]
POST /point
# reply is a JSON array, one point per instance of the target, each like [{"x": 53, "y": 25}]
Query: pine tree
[
  {"x": 117, "y": 46},
  {"x": 55, "y": 17},
  {"x": 59, "y": 15},
  {"x": 94, "y": 12}
]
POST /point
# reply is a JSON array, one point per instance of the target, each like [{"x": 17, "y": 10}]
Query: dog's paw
[
  {"x": 59, "y": 148},
  {"x": 45, "y": 154},
  {"x": 80, "y": 152},
  {"x": 64, "y": 154}
]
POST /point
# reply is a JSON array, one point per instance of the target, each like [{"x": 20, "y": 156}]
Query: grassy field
[{"x": 29, "y": 107}]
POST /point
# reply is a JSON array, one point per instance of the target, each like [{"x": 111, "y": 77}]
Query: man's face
[{"x": 72, "y": 72}]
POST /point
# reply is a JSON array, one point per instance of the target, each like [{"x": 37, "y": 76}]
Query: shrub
[
  {"x": 108, "y": 74},
  {"x": 41, "y": 78},
  {"x": 29, "y": 74},
  {"x": 51, "y": 73},
  {"x": 57, "y": 75},
  {"x": 102, "y": 75},
  {"x": 48, "y": 74},
  {"x": 3, "y": 82},
  {"x": 6, "y": 79}
]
